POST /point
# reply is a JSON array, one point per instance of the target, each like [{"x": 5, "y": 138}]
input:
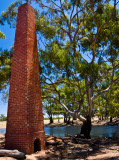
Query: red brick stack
[{"x": 25, "y": 128}]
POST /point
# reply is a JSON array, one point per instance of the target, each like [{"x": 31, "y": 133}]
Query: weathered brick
[{"x": 25, "y": 118}]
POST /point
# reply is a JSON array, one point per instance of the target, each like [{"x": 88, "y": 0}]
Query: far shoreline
[{"x": 60, "y": 123}]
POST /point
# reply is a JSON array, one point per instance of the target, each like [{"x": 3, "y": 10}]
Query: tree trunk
[
  {"x": 110, "y": 119},
  {"x": 74, "y": 118},
  {"x": 68, "y": 122},
  {"x": 58, "y": 119},
  {"x": 65, "y": 118},
  {"x": 51, "y": 119},
  {"x": 86, "y": 128}
]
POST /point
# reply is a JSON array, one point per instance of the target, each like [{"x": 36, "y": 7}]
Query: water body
[{"x": 63, "y": 131}]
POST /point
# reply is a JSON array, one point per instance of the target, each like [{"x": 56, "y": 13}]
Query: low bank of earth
[{"x": 72, "y": 148}]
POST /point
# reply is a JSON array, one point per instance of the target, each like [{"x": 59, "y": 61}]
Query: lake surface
[{"x": 63, "y": 131}]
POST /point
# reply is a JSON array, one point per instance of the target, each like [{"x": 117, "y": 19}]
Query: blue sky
[{"x": 9, "y": 32}]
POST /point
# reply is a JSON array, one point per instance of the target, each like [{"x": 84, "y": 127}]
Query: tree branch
[
  {"x": 75, "y": 113},
  {"x": 98, "y": 31},
  {"x": 105, "y": 90}
]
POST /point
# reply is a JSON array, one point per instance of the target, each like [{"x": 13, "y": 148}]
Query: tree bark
[
  {"x": 51, "y": 119},
  {"x": 65, "y": 119},
  {"x": 68, "y": 122},
  {"x": 12, "y": 153},
  {"x": 86, "y": 128},
  {"x": 110, "y": 119}
]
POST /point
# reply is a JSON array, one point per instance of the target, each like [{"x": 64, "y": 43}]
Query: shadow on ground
[{"x": 72, "y": 148}]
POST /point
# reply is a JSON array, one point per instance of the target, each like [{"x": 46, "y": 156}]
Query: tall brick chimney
[{"x": 25, "y": 128}]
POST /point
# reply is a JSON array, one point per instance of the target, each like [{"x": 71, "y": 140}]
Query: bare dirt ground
[{"x": 72, "y": 148}]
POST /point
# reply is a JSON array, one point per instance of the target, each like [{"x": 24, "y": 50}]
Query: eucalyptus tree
[
  {"x": 3, "y": 117},
  {"x": 51, "y": 108},
  {"x": 80, "y": 41},
  {"x": 6, "y": 55},
  {"x": 78, "y": 46},
  {"x": 48, "y": 108},
  {"x": 112, "y": 100},
  {"x": 107, "y": 105},
  {"x": 5, "y": 67}
]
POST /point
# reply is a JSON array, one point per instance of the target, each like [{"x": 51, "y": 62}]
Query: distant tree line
[{"x": 3, "y": 117}]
